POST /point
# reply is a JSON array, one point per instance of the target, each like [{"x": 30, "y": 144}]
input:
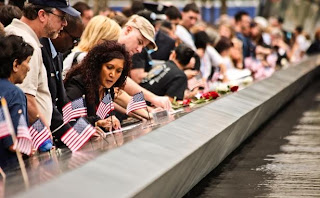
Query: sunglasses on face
[{"x": 75, "y": 40}]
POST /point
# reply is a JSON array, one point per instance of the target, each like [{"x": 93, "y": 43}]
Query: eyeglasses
[
  {"x": 62, "y": 17},
  {"x": 75, "y": 40}
]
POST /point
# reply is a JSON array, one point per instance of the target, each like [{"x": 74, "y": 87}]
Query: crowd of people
[{"x": 52, "y": 53}]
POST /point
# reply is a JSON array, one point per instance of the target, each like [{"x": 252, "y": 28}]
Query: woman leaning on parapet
[{"x": 105, "y": 68}]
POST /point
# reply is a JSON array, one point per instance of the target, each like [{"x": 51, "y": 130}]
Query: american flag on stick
[
  {"x": 78, "y": 135},
  {"x": 74, "y": 109},
  {"x": 24, "y": 139},
  {"x": 136, "y": 102},
  {"x": 39, "y": 133},
  {"x": 4, "y": 129},
  {"x": 105, "y": 106}
]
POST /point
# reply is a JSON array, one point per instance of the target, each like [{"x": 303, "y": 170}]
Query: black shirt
[
  {"x": 75, "y": 88},
  {"x": 166, "y": 80}
]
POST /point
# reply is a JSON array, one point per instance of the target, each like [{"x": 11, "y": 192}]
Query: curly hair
[
  {"x": 12, "y": 48},
  {"x": 91, "y": 66}
]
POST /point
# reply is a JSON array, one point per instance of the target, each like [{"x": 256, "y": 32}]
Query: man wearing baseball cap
[
  {"x": 41, "y": 18},
  {"x": 138, "y": 33},
  {"x": 62, "y": 5}
]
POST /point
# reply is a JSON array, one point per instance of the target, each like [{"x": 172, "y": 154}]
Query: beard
[{"x": 49, "y": 32}]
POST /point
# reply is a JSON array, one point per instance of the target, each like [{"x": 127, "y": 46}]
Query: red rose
[
  {"x": 214, "y": 94},
  {"x": 205, "y": 96},
  {"x": 186, "y": 101},
  {"x": 210, "y": 95},
  {"x": 234, "y": 88}
]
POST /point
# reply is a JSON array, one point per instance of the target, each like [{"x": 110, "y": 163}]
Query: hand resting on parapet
[{"x": 109, "y": 123}]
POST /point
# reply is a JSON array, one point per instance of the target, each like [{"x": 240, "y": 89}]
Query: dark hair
[
  {"x": 91, "y": 66},
  {"x": 30, "y": 11},
  {"x": 12, "y": 47},
  {"x": 8, "y": 13},
  {"x": 136, "y": 6},
  {"x": 191, "y": 7},
  {"x": 239, "y": 15},
  {"x": 223, "y": 44},
  {"x": 299, "y": 29},
  {"x": 166, "y": 24},
  {"x": 201, "y": 39},
  {"x": 197, "y": 63},
  {"x": 73, "y": 23},
  {"x": 183, "y": 54},
  {"x": 81, "y": 7},
  {"x": 173, "y": 13},
  {"x": 280, "y": 20}
]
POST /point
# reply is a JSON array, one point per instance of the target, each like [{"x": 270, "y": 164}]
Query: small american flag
[
  {"x": 78, "y": 135},
  {"x": 105, "y": 106},
  {"x": 24, "y": 140},
  {"x": 39, "y": 133},
  {"x": 136, "y": 102},
  {"x": 4, "y": 130},
  {"x": 74, "y": 109}
]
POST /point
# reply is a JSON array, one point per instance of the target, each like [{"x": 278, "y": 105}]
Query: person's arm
[
  {"x": 223, "y": 71},
  {"x": 122, "y": 99},
  {"x": 33, "y": 111},
  {"x": 159, "y": 101},
  {"x": 138, "y": 74}
]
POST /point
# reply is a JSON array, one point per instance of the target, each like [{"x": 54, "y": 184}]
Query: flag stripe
[
  {"x": 4, "y": 129},
  {"x": 24, "y": 139},
  {"x": 136, "y": 102},
  {"x": 74, "y": 109},
  {"x": 38, "y": 137},
  {"x": 105, "y": 106},
  {"x": 78, "y": 135}
]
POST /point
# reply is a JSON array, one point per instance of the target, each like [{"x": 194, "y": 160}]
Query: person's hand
[
  {"x": 225, "y": 79},
  {"x": 109, "y": 123},
  {"x": 163, "y": 102}
]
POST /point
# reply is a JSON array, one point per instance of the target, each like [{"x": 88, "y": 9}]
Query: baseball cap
[
  {"x": 145, "y": 28},
  {"x": 62, "y": 5}
]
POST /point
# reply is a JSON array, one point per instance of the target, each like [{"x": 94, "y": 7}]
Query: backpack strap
[{"x": 75, "y": 57}]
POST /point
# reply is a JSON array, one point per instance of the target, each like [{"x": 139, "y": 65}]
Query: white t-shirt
[
  {"x": 185, "y": 36},
  {"x": 210, "y": 59}
]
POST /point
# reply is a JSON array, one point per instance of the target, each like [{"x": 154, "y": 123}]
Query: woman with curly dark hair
[{"x": 105, "y": 67}]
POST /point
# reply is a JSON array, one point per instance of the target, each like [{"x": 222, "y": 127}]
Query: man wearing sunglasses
[
  {"x": 41, "y": 19},
  {"x": 69, "y": 37}
]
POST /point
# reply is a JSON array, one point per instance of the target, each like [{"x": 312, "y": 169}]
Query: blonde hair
[{"x": 98, "y": 29}]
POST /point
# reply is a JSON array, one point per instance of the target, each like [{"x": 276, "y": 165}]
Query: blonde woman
[{"x": 100, "y": 28}]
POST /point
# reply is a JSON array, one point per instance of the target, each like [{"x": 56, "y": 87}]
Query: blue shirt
[
  {"x": 16, "y": 100},
  {"x": 248, "y": 49}
]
